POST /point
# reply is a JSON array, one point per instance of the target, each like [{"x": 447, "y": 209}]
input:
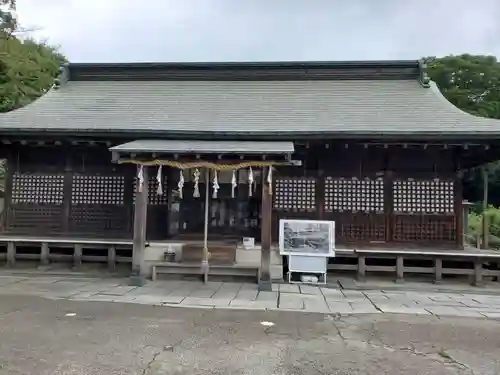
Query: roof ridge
[
  {"x": 246, "y": 71},
  {"x": 62, "y": 77},
  {"x": 424, "y": 78}
]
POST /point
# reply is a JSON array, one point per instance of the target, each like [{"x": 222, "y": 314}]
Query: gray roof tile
[{"x": 365, "y": 107}]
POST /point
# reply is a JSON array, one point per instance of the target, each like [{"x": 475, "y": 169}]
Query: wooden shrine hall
[{"x": 169, "y": 166}]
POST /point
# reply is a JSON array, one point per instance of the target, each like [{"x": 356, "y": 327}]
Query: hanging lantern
[
  {"x": 180, "y": 184},
  {"x": 250, "y": 182},
  {"x": 234, "y": 183},
  {"x": 270, "y": 180},
  {"x": 215, "y": 185},
  {"x": 159, "y": 180},
  {"x": 140, "y": 177},
  {"x": 196, "y": 175}
]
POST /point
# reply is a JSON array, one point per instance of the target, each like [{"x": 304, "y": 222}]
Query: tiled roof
[{"x": 372, "y": 106}]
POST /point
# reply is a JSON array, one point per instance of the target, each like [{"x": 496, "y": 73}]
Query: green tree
[
  {"x": 27, "y": 67},
  {"x": 27, "y": 71},
  {"x": 8, "y": 21},
  {"x": 472, "y": 83}
]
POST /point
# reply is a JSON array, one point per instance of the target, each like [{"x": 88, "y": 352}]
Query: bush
[{"x": 474, "y": 229}]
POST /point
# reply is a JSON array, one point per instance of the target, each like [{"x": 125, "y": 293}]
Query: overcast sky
[{"x": 257, "y": 30}]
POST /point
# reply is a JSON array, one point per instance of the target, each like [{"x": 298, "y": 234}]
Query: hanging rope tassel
[
  {"x": 250, "y": 182},
  {"x": 270, "y": 180},
  {"x": 180, "y": 185},
  {"x": 159, "y": 179},
  {"x": 196, "y": 192},
  {"x": 234, "y": 183},
  {"x": 215, "y": 185},
  {"x": 140, "y": 177}
]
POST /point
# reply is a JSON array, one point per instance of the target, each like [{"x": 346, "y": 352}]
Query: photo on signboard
[{"x": 307, "y": 237}]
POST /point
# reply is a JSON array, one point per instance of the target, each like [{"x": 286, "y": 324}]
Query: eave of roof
[
  {"x": 95, "y": 112},
  {"x": 205, "y": 147}
]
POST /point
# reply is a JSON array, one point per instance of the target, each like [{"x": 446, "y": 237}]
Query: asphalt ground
[{"x": 41, "y": 336}]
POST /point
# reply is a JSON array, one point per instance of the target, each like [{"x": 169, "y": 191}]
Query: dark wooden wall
[
  {"x": 75, "y": 191},
  {"x": 377, "y": 195}
]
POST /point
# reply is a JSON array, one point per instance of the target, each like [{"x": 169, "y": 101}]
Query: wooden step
[{"x": 219, "y": 254}]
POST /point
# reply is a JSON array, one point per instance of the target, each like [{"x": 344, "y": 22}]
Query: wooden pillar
[
  {"x": 389, "y": 206},
  {"x": 478, "y": 272},
  {"x": 139, "y": 241},
  {"x": 438, "y": 270},
  {"x": 400, "y": 269},
  {"x": 459, "y": 211},
  {"x": 112, "y": 258},
  {"x": 9, "y": 170},
  {"x": 77, "y": 256},
  {"x": 265, "y": 240},
  {"x": 361, "y": 267},
  {"x": 485, "y": 231},
  {"x": 11, "y": 254},
  {"x": 44, "y": 254}
]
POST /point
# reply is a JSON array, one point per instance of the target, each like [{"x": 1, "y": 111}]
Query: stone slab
[
  {"x": 195, "y": 301},
  {"x": 291, "y": 301},
  {"x": 364, "y": 307},
  {"x": 203, "y": 292},
  {"x": 316, "y": 305},
  {"x": 289, "y": 288},
  {"x": 340, "y": 307},
  {"x": 333, "y": 294},
  {"x": 452, "y": 311},
  {"x": 117, "y": 290},
  {"x": 227, "y": 291},
  {"x": 247, "y": 295},
  {"x": 492, "y": 315},
  {"x": 267, "y": 296},
  {"x": 40, "y": 280},
  {"x": 8, "y": 280},
  {"x": 253, "y": 304},
  {"x": 310, "y": 289},
  {"x": 401, "y": 309}
]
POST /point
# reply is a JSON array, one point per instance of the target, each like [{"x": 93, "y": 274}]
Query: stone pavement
[{"x": 242, "y": 296}]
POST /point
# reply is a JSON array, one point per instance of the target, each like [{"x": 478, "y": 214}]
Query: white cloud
[{"x": 216, "y": 30}]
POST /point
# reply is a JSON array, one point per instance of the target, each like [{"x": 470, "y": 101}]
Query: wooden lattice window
[
  {"x": 30, "y": 188},
  {"x": 354, "y": 195},
  {"x": 424, "y": 228},
  {"x": 423, "y": 196},
  {"x": 295, "y": 194},
  {"x": 154, "y": 198},
  {"x": 95, "y": 189}
]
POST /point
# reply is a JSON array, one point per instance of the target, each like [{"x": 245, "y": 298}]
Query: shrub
[{"x": 475, "y": 224}]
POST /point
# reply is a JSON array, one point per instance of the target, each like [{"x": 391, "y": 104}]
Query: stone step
[{"x": 195, "y": 269}]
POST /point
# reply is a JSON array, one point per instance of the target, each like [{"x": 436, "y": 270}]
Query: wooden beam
[
  {"x": 285, "y": 161},
  {"x": 484, "y": 173},
  {"x": 139, "y": 240},
  {"x": 458, "y": 199},
  {"x": 265, "y": 283}
]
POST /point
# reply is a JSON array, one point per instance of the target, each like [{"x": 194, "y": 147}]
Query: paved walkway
[{"x": 285, "y": 297}]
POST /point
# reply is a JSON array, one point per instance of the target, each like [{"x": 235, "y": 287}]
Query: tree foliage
[
  {"x": 8, "y": 19},
  {"x": 27, "y": 71},
  {"x": 27, "y": 67},
  {"x": 472, "y": 83}
]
